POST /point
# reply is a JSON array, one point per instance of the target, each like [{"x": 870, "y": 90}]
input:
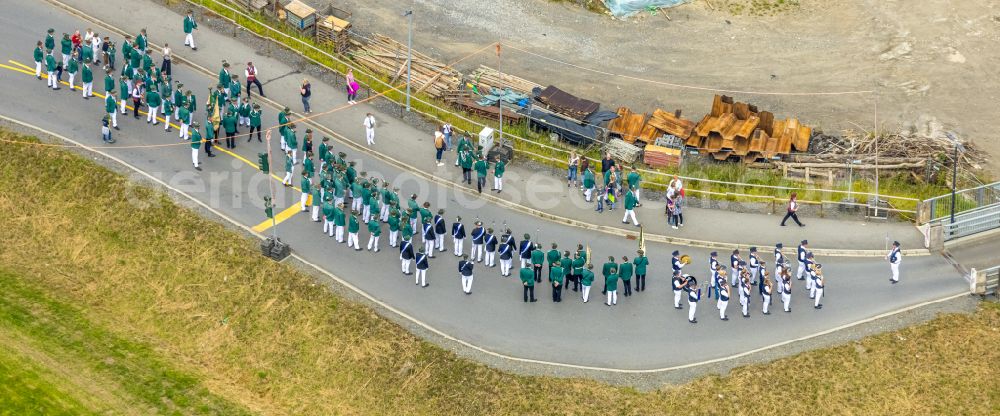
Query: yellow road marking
[{"x": 282, "y": 216}]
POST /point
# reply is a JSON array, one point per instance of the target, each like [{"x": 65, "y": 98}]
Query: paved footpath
[
  {"x": 493, "y": 317},
  {"x": 548, "y": 194}
]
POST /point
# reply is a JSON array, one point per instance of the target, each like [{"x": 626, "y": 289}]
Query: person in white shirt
[
  {"x": 793, "y": 207},
  {"x": 369, "y": 124},
  {"x": 95, "y": 46},
  {"x": 165, "y": 66},
  {"x": 894, "y": 257}
]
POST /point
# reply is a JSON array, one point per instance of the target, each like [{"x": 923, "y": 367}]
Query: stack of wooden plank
[
  {"x": 735, "y": 129},
  {"x": 659, "y": 156},
  {"x": 487, "y": 78},
  {"x": 254, "y": 5},
  {"x": 385, "y": 56},
  {"x": 333, "y": 30}
]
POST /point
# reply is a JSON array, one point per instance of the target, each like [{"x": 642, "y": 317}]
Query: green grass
[
  {"x": 108, "y": 307},
  {"x": 760, "y": 7},
  {"x": 529, "y": 144}
]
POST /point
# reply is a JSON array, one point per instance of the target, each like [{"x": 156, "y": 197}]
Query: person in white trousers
[
  {"x": 306, "y": 188},
  {"x": 352, "y": 236},
  {"x": 802, "y": 250},
  {"x": 422, "y": 265},
  {"x": 786, "y": 292},
  {"x": 406, "y": 255},
  {"x": 811, "y": 275},
  {"x": 766, "y": 293},
  {"x": 894, "y": 257},
  {"x": 195, "y": 146},
  {"x": 587, "y": 280},
  {"x": 369, "y": 124},
  {"x": 458, "y": 236},
  {"x": 745, "y": 296},
  {"x": 489, "y": 241},
  {"x": 111, "y": 105},
  {"x": 818, "y": 285},
  {"x": 694, "y": 295},
  {"x": 723, "y": 301},
  {"x": 338, "y": 228},
  {"x": 677, "y": 283},
  {"x": 375, "y": 231},
  {"x": 465, "y": 269},
  {"x": 189, "y": 27}
]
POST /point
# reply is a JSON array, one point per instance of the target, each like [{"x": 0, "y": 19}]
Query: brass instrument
[{"x": 685, "y": 259}]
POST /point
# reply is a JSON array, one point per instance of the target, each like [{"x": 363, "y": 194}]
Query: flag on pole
[{"x": 642, "y": 240}]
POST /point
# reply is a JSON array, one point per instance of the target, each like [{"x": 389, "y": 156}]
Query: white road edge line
[
  {"x": 611, "y": 230},
  {"x": 467, "y": 344}
]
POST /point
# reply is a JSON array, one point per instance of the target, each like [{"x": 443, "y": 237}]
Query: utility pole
[
  {"x": 409, "y": 55},
  {"x": 954, "y": 171}
]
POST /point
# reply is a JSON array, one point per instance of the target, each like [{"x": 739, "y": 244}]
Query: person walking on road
[
  {"x": 723, "y": 301},
  {"x": 375, "y": 231},
  {"x": 369, "y": 124},
  {"x": 694, "y": 295},
  {"x": 803, "y": 252},
  {"x": 439, "y": 147},
  {"x": 352, "y": 86},
  {"x": 481, "y": 167},
  {"x": 528, "y": 283},
  {"x": 39, "y": 58},
  {"x": 458, "y": 236},
  {"x": 586, "y": 280},
  {"x": 111, "y": 106},
  {"x": 189, "y": 27},
  {"x": 165, "y": 67},
  {"x": 894, "y": 257},
  {"x": 305, "y": 91},
  {"x": 406, "y": 254},
  {"x": 557, "y": 282},
  {"x": 465, "y": 270},
  {"x": 537, "y": 261},
  {"x": 677, "y": 283},
  {"x": 611, "y": 286},
  {"x": 195, "y": 146},
  {"x": 423, "y": 263},
  {"x": 793, "y": 207}
]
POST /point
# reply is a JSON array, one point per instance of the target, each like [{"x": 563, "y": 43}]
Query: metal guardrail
[
  {"x": 986, "y": 281},
  {"x": 965, "y": 200},
  {"x": 564, "y": 153},
  {"x": 972, "y": 222}
]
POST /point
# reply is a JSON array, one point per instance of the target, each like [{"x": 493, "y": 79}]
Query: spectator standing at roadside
[
  {"x": 165, "y": 66},
  {"x": 306, "y": 92},
  {"x": 369, "y": 124},
  {"x": 439, "y": 147},
  {"x": 446, "y": 130},
  {"x": 793, "y": 207},
  {"x": 607, "y": 163},
  {"x": 251, "y": 75},
  {"x": 574, "y": 160},
  {"x": 352, "y": 87}
]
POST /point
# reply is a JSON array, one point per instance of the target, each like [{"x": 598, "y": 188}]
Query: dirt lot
[{"x": 928, "y": 61}]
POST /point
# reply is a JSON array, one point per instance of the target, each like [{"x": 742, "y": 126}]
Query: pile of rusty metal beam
[
  {"x": 738, "y": 130},
  {"x": 632, "y": 127},
  {"x": 385, "y": 56}
]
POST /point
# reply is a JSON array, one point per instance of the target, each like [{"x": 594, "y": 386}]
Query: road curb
[{"x": 610, "y": 230}]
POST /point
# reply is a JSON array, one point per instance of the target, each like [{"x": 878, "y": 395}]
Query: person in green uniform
[
  {"x": 528, "y": 282},
  {"x": 291, "y": 141},
  {"x": 463, "y": 145},
  {"x": 210, "y": 139},
  {"x": 111, "y": 106},
  {"x": 229, "y": 125},
  {"x": 393, "y": 222},
  {"x": 66, "y": 47},
  {"x": 88, "y": 80},
  {"x": 579, "y": 263},
  {"x": 178, "y": 100},
  {"x": 314, "y": 202},
  {"x": 352, "y": 231},
  {"x": 147, "y": 61},
  {"x": 153, "y": 102},
  {"x": 140, "y": 42},
  {"x": 168, "y": 110},
  {"x": 625, "y": 273},
  {"x": 557, "y": 282},
  {"x": 243, "y": 111},
  {"x": 306, "y": 187},
  {"x": 39, "y": 57},
  {"x": 109, "y": 81},
  {"x": 50, "y": 41},
  {"x": 191, "y": 100},
  {"x": 606, "y": 271},
  {"x": 406, "y": 230},
  {"x": 307, "y": 165},
  {"x": 374, "y": 230},
  {"x": 110, "y": 53},
  {"x": 339, "y": 220},
  {"x": 254, "y": 116},
  {"x": 481, "y": 167},
  {"x": 195, "y": 145},
  {"x": 465, "y": 160},
  {"x": 328, "y": 216},
  {"x": 498, "y": 170},
  {"x": 287, "y": 180},
  {"x": 633, "y": 179},
  {"x": 586, "y": 280},
  {"x": 72, "y": 69},
  {"x": 537, "y": 261},
  {"x": 50, "y": 71},
  {"x": 640, "y": 262},
  {"x": 611, "y": 286},
  {"x": 184, "y": 119},
  {"x": 630, "y": 203},
  {"x": 553, "y": 257},
  {"x": 588, "y": 183},
  {"x": 225, "y": 78},
  {"x": 234, "y": 87},
  {"x": 189, "y": 27}
]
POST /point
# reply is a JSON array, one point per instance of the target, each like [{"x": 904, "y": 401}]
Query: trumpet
[{"x": 685, "y": 259}]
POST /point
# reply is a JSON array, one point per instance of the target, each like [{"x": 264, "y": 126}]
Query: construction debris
[
  {"x": 564, "y": 103},
  {"x": 622, "y": 151},
  {"x": 890, "y": 148},
  {"x": 633, "y": 127},
  {"x": 385, "y": 56},
  {"x": 735, "y": 129},
  {"x": 659, "y": 156}
]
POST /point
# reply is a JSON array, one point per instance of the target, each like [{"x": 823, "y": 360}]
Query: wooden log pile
[
  {"x": 738, "y": 130},
  {"x": 486, "y": 78},
  {"x": 385, "y": 56}
]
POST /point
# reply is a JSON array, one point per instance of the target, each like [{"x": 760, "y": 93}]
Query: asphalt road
[{"x": 641, "y": 332}]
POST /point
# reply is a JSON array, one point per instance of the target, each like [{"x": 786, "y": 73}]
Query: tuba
[{"x": 685, "y": 259}]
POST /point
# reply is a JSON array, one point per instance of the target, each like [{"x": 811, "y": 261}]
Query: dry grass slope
[{"x": 268, "y": 338}]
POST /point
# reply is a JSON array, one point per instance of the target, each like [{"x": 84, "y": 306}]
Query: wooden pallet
[{"x": 334, "y": 31}]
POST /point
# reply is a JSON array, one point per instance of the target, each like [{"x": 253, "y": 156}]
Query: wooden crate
[
  {"x": 300, "y": 15},
  {"x": 334, "y": 31}
]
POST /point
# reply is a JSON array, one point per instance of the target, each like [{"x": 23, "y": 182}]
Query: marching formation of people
[{"x": 345, "y": 201}]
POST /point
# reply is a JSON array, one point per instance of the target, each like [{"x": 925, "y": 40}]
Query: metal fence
[
  {"x": 972, "y": 222},
  {"x": 986, "y": 281},
  {"x": 965, "y": 200}
]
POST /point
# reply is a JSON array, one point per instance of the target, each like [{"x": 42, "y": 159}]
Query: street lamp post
[
  {"x": 409, "y": 54},
  {"x": 954, "y": 172}
]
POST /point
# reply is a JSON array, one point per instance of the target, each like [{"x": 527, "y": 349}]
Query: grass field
[{"x": 109, "y": 308}]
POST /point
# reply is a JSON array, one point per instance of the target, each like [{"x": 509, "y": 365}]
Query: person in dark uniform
[
  {"x": 754, "y": 262},
  {"x": 677, "y": 284},
  {"x": 528, "y": 283},
  {"x": 556, "y": 275},
  {"x": 525, "y": 251},
  {"x": 458, "y": 236},
  {"x": 406, "y": 254},
  {"x": 723, "y": 301},
  {"x": 490, "y": 244},
  {"x": 429, "y": 237},
  {"x": 440, "y": 228},
  {"x": 506, "y": 254},
  {"x": 694, "y": 295},
  {"x": 422, "y": 266},
  {"x": 802, "y": 250},
  {"x": 713, "y": 269},
  {"x": 477, "y": 241},
  {"x": 465, "y": 269}
]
